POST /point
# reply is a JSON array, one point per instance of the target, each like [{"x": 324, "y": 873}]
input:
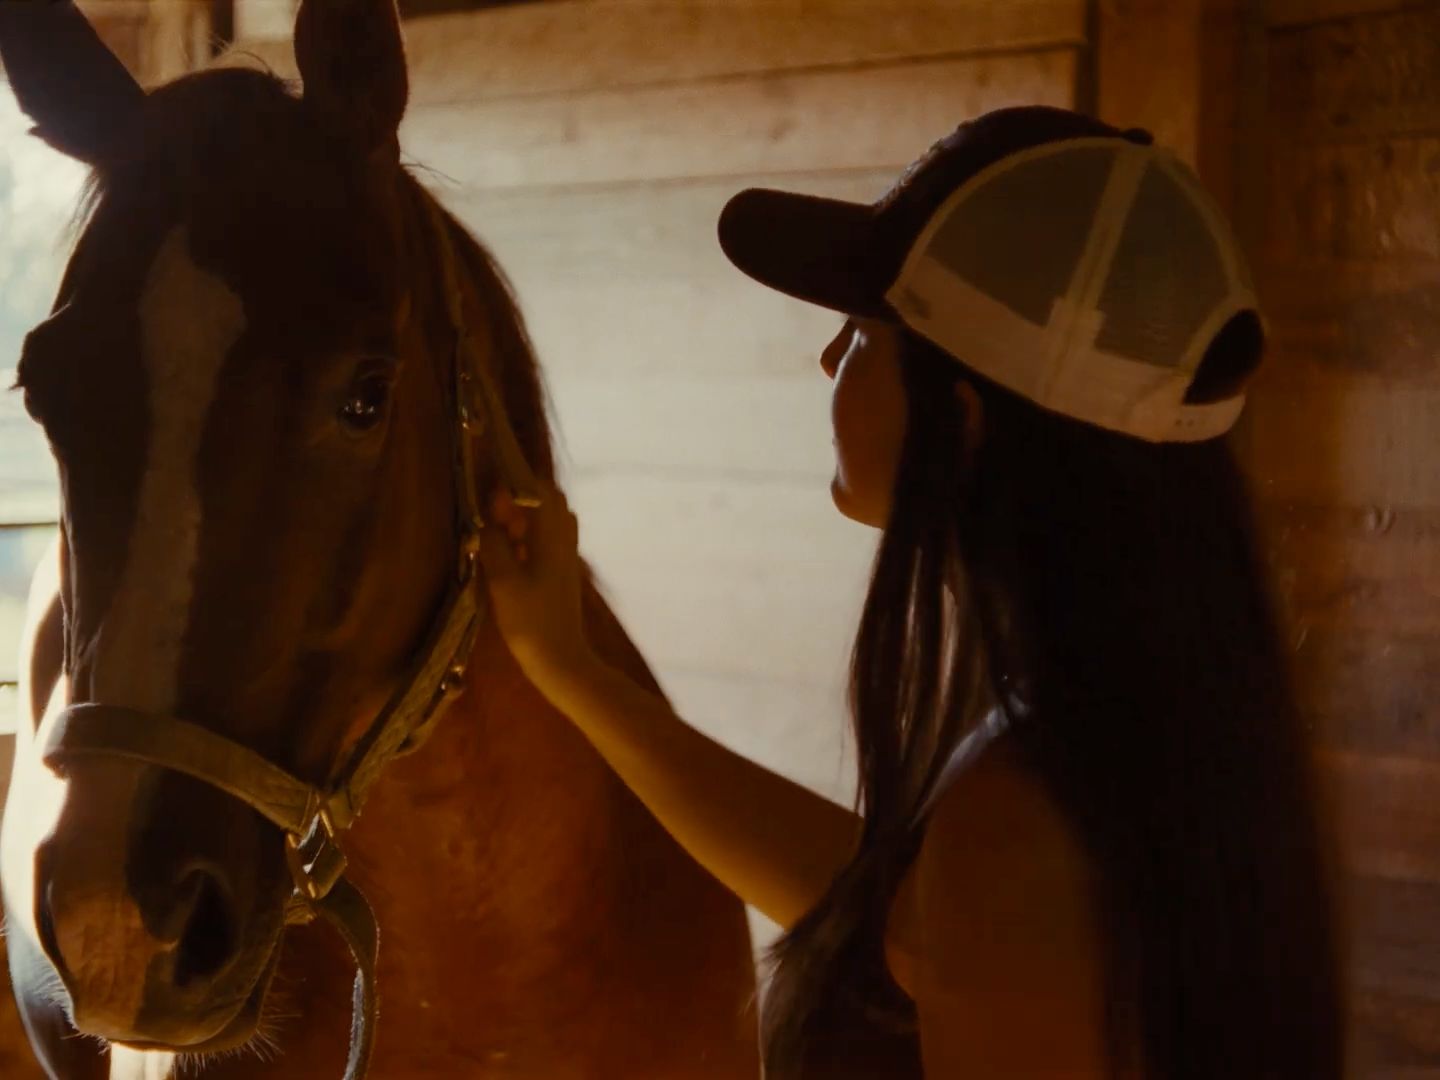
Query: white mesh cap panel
[
  {"x": 1089, "y": 276},
  {"x": 1164, "y": 281},
  {"x": 992, "y": 244}
]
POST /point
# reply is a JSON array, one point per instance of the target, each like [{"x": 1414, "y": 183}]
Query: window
[{"x": 39, "y": 192}]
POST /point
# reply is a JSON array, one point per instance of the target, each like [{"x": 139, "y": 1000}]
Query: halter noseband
[{"x": 312, "y": 818}]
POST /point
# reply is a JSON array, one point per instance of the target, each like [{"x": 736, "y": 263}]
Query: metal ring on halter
[{"x": 316, "y": 861}]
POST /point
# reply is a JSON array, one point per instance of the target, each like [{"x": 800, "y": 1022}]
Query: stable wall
[
  {"x": 592, "y": 144},
  {"x": 1344, "y": 439}
]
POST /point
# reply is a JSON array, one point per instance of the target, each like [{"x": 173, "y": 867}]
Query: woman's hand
[{"x": 534, "y": 574}]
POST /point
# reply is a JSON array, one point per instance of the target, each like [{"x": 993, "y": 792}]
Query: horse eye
[{"x": 365, "y": 399}]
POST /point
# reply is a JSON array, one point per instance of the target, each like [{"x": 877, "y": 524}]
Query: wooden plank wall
[
  {"x": 591, "y": 144},
  {"x": 1345, "y": 442}
]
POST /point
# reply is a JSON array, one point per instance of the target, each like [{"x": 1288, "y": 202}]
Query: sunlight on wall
[{"x": 39, "y": 190}]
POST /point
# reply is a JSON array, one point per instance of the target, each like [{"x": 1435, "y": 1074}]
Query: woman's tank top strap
[
  {"x": 899, "y": 956},
  {"x": 966, "y": 751}
]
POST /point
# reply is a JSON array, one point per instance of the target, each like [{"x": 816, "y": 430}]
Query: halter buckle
[
  {"x": 316, "y": 861},
  {"x": 469, "y": 553}
]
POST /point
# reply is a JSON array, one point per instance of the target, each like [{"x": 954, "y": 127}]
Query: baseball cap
[{"x": 1073, "y": 263}]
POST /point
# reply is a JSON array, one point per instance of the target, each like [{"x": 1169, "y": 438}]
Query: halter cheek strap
[{"x": 312, "y": 818}]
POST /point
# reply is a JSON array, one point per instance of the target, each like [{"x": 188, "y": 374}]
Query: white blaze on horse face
[{"x": 189, "y": 321}]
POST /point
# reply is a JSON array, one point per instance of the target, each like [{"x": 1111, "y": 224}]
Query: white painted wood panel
[
  {"x": 791, "y": 621},
  {"x": 581, "y": 46},
  {"x": 754, "y": 429},
  {"x": 854, "y": 119},
  {"x": 707, "y": 573},
  {"x": 797, "y": 730},
  {"x": 631, "y": 281}
]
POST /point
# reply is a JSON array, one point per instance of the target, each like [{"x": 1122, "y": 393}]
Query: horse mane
[{"x": 516, "y": 365}]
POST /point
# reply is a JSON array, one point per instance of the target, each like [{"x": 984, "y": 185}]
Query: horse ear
[
  {"x": 80, "y": 96},
  {"x": 352, "y": 60}
]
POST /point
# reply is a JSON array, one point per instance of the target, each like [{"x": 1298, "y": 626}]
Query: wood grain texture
[
  {"x": 1135, "y": 91},
  {"x": 1359, "y": 78},
  {"x": 1316, "y": 435},
  {"x": 630, "y": 282},
  {"x": 779, "y": 576},
  {"x": 1367, "y": 200},
  {"x": 1397, "y": 937},
  {"x": 770, "y": 123},
  {"x": 1310, "y": 13},
  {"x": 1343, "y": 442},
  {"x": 574, "y": 47},
  {"x": 1389, "y": 820},
  {"x": 1396, "y": 1039},
  {"x": 1376, "y": 315},
  {"x": 1370, "y": 691}
]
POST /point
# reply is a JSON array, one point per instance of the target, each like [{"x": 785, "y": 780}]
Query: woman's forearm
[{"x": 774, "y": 843}]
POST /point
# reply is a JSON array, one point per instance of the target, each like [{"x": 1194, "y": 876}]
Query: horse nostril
[{"x": 210, "y": 936}]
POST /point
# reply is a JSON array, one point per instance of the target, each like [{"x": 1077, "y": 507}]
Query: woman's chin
[{"x": 863, "y": 511}]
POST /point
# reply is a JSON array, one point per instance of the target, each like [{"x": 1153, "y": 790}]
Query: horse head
[{"x": 246, "y": 384}]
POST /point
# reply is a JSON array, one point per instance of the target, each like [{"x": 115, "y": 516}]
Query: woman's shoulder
[
  {"x": 1001, "y": 889},
  {"x": 1002, "y": 948},
  {"x": 998, "y": 812}
]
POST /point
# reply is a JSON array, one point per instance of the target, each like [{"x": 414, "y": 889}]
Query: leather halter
[{"x": 314, "y": 819}]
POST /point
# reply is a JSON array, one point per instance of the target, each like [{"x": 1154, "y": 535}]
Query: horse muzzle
[{"x": 160, "y": 902}]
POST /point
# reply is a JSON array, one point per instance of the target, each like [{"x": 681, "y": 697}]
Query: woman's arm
[{"x": 772, "y": 842}]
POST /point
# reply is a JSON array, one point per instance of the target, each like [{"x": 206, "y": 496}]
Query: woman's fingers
[
  {"x": 497, "y": 553},
  {"x": 517, "y": 533},
  {"x": 506, "y": 514}
]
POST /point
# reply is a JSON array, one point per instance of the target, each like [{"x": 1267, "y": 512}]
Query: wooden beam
[
  {"x": 1192, "y": 72},
  {"x": 1397, "y": 946},
  {"x": 871, "y": 118},
  {"x": 1389, "y": 819},
  {"x": 1148, "y": 63},
  {"x": 1357, "y": 80},
  {"x": 1287, "y": 13},
  {"x": 524, "y": 50},
  {"x": 264, "y": 21},
  {"x": 630, "y": 281},
  {"x": 1370, "y": 691},
  {"x": 177, "y": 40},
  {"x": 1318, "y": 435}
]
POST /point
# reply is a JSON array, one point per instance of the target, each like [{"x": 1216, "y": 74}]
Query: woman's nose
[{"x": 830, "y": 358}]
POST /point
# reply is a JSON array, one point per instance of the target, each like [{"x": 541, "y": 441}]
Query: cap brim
[{"x": 824, "y": 251}]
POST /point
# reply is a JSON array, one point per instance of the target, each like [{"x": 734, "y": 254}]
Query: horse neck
[
  {"x": 503, "y": 776},
  {"x": 506, "y": 800}
]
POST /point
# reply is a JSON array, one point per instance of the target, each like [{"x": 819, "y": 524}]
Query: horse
[{"x": 281, "y": 384}]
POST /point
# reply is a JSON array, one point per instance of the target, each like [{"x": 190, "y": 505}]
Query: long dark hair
[{"x": 1109, "y": 595}]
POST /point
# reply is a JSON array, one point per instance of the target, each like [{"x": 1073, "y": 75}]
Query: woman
[{"x": 1087, "y": 843}]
